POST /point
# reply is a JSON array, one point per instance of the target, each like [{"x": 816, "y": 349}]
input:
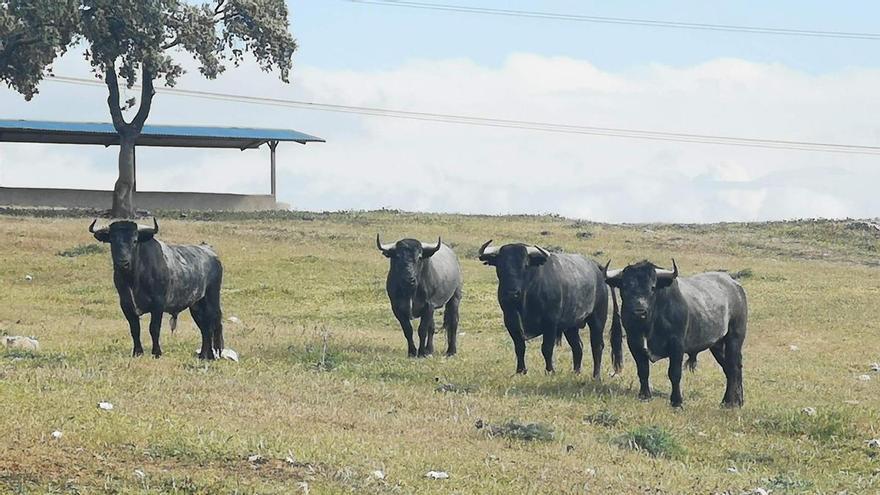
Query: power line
[
  {"x": 621, "y": 20},
  {"x": 551, "y": 127}
]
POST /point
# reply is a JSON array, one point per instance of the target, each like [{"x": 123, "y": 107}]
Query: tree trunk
[{"x": 123, "y": 191}]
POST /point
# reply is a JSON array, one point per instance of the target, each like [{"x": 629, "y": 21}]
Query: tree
[{"x": 129, "y": 39}]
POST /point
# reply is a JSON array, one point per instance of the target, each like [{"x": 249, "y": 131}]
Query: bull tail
[
  {"x": 616, "y": 335},
  {"x": 559, "y": 338},
  {"x": 173, "y": 322},
  {"x": 691, "y": 363}
]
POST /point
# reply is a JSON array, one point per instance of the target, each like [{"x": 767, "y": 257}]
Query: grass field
[{"x": 325, "y": 394}]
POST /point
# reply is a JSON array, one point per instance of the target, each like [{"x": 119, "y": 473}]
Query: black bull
[
  {"x": 153, "y": 278},
  {"x": 422, "y": 278},
  {"x": 551, "y": 294},
  {"x": 667, "y": 316}
]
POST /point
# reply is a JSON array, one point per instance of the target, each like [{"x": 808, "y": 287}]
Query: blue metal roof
[{"x": 31, "y": 131}]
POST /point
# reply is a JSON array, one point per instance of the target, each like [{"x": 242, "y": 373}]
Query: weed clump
[
  {"x": 603, "y": 417},
  {"x": 81, "y": 250},
  {"x": 516, "y": 430},
  {"x": 651, "y": 439}
]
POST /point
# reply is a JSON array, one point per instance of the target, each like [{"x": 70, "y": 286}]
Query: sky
[{"x": 705, "y": 82}]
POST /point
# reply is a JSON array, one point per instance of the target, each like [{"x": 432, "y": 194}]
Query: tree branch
[
  {"x": 147, "y": 93},
  {"x": 113, "y": 98}
]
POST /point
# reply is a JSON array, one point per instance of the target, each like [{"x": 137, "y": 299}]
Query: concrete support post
[{"x": 272, "y": 146}]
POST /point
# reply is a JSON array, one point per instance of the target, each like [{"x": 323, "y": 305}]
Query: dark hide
[
  {"x": 550, "y": 295},
  {"x": 153, "y": 278},
  {"x": 667, "y": 317},
  {"x": 422, "y": 279}
]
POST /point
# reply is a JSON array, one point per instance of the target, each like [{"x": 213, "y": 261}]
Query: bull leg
[
  {"x": 201, "y": 315},
  {"x": 728, "y": 353},
  {"x": 643, "y": 365},
  {"x": 155, "y": 329},
  {"x": 215, "y": 315},
  {"x": 426, "y": 329},
  {"x": 675, "y": 360},
  {"x": 514, "y": 328},
  {"x": 550, "y": 333},
  {"x": 573, "y": 336},
  {"x": 134, "y": 326},
  {"x": 450, "y": 322},
  {"x": 597, "y": 345},
  {"x": 406, "y": 326}
]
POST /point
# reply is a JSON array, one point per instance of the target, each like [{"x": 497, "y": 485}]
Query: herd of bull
[{"x": 540, "y": 293}]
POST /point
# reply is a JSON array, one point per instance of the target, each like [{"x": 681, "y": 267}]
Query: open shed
[{"x": 45, "y": 132}]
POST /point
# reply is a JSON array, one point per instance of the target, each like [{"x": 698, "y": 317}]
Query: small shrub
[
  {"x": 740, "y": 457},
  {"x": 584, "y": 235},
  {"x": 516, "y": 430},
  {"x": 785, "y": 483},
  {"x": 82, "y": 250},
  {"x": 651, "y": 439},
  {"x": 603, "y": 417}
]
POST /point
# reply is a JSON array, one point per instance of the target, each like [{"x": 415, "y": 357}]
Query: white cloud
[{"x": 371, "y": 162}]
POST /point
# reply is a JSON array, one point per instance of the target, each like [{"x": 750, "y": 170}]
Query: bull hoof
[
  {"x": 645, "y": 396},
  {"x": 157, "y": 354},
  {"x": 206, "y": 357},
  {"x": 576, "y": 371},
  {"x": 522, "y": 371},
  {"x": 732, "y": 404},
  {"x": 450, "y": 354},
  {"x": 676, "y": 405},
  {"x": 137, "y": 353}
]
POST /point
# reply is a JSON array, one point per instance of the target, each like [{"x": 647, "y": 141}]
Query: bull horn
[
  {"x": 613, "y": 274},
  {"x": 428, "y": 250},
  {"x": 92, "y": 226},
  {"x": 486, "y": 251},
  {"x": 383, "y": 247},
  {"x": 155, "y": 226},
  {"x": 669, "y": 274}
]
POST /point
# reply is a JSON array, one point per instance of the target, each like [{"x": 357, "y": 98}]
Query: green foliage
[
  {"x": 82, "y": 250},
  {"x": 32, "y": 34},
  {"x": 127, "y": 35},
  {"x": 654, "y": 440},
  {"x": 516, "y": 430}
]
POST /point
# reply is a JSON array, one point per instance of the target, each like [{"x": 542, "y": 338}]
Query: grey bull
[
  {"x": 423, "y": 278},
  {"x": 667, "y": 316},
  {"x": 153, "y": 277}
]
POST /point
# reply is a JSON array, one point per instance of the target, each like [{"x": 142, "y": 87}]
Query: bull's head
[
  {"x": 407, "y": 256},
  {"x": 123, "y": 236},
  {"x": 511, "y": 262},
  {"x": 638, "y": 285}
]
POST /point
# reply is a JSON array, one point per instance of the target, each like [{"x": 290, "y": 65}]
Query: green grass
[{"x": 324, "y": 378}]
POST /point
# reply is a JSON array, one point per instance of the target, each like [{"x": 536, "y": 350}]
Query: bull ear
[
  {"x": 488, "y": 254},
  {"x": 429, "y": 250},
  {"x": 666, "y": 277},
  {"x": 537, "y": 256},
  {"x": 102, "y": 235},
  {"x": 614, "y": 277},
  {"x": 145, "y": 235}
]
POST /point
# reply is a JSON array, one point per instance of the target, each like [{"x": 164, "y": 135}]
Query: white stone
[
  {"x": 809, "y": 411},
  {"x": 105, "y": 406},
  {"x": 437, "y": 475},
  {"x": 234, "y": 319},
  {"x": 379, "y": 475},
  {"x": 57, "y": 434},
  {"x": 864, "y": 378},
  {"x": 29, "y": 277}
]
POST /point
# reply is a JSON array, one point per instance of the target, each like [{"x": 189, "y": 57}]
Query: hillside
[{"x": 324, "y": 380}]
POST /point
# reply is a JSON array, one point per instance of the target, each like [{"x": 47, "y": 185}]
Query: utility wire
[
  {"x": 620, "y": 20},
  {"x": 551, "y": 127}
]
